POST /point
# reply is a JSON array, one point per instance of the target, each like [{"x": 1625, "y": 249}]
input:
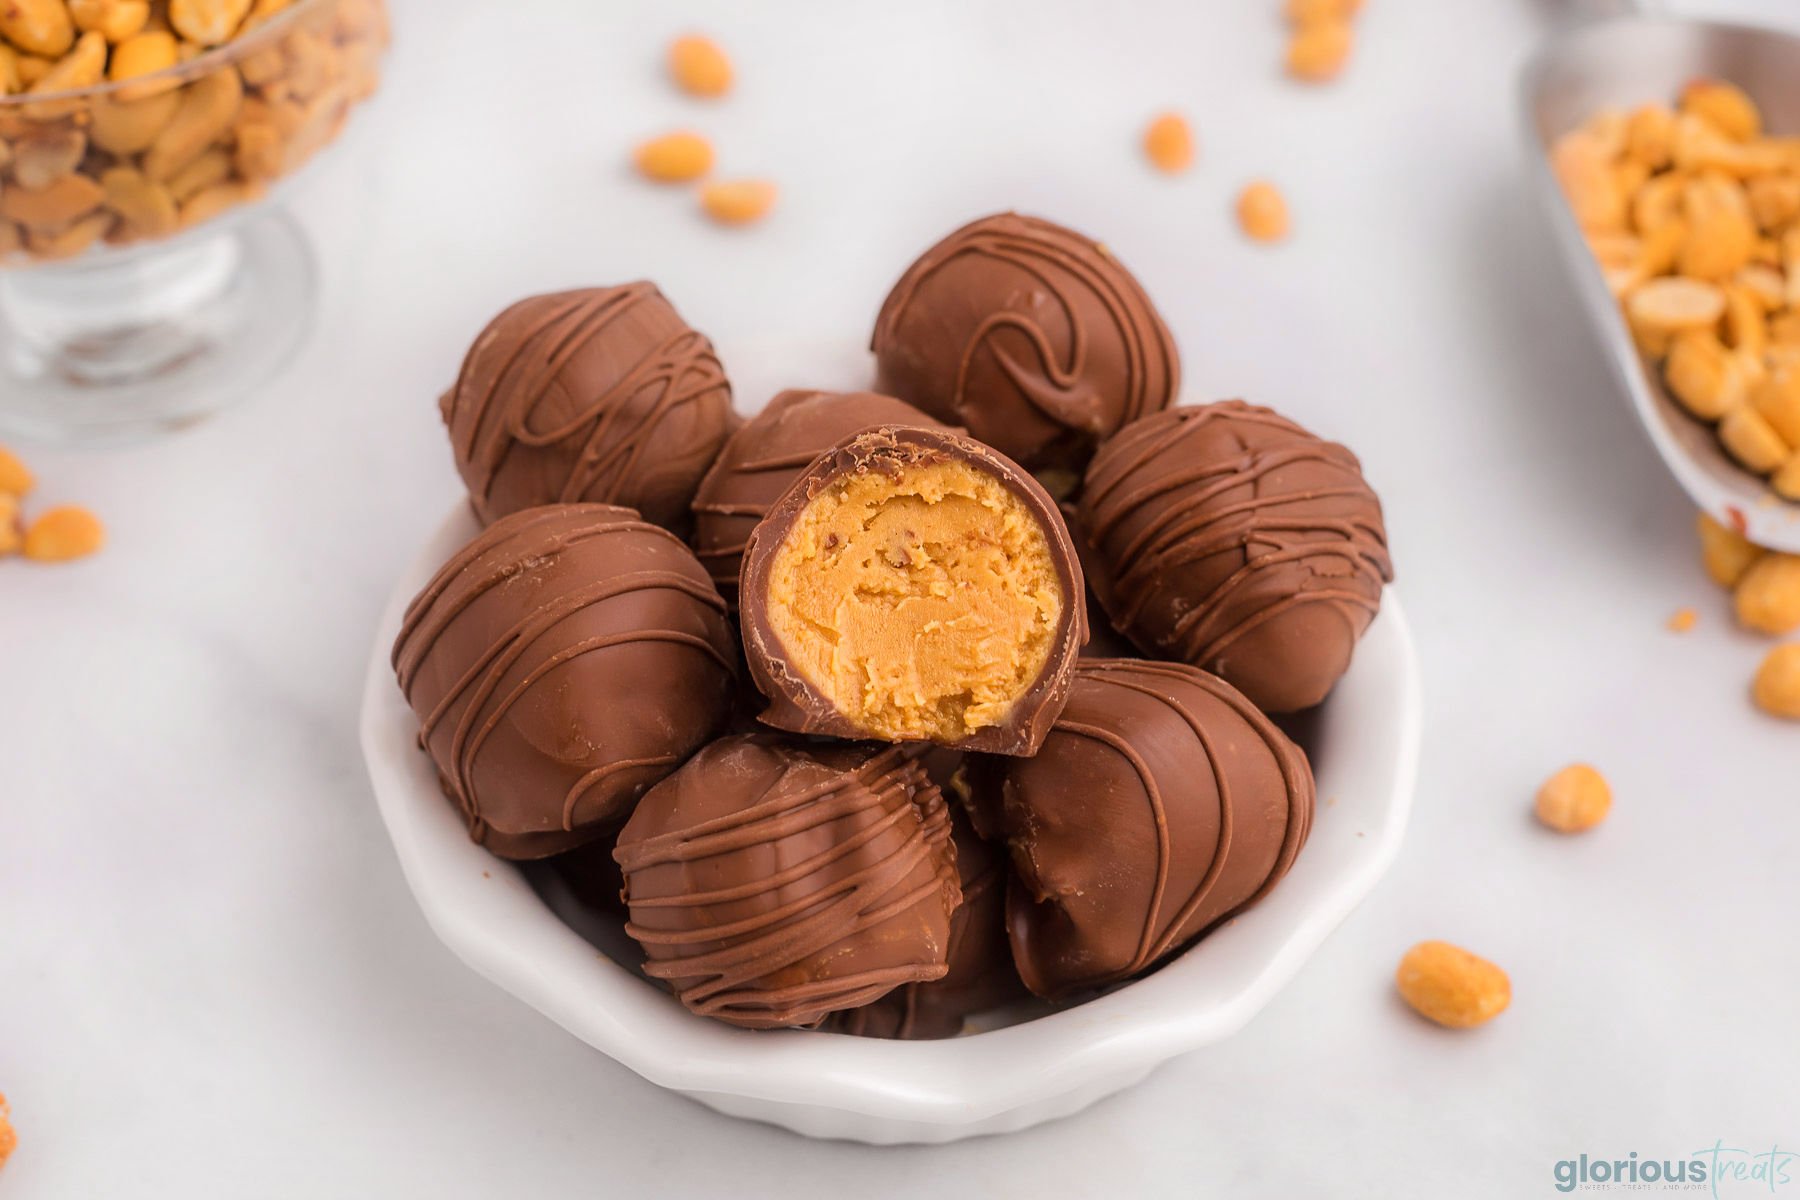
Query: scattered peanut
[
  {"x": 1776, "y": 688},
  {"x": 9, "y": 1141},
  {"x": 1447, "y": 984},
  {"x": 1767, "y": 598},
  {"x": 1726, "y": 553},
  {"x": 699, "y": 67},
  {"x": 679, "y": 157},
  {"x": 16, "y": 478},
  {"x": 1262, "y": 212},
  {"x": 738, "y": 202},
  {"x": 1576, "y": 798},
  {"x": 62, "y": 533},
  {"x": 1304, "y": 12},
  {"x": 1318, "y": 50},
  {"x": 1683, "y": 620},
  {"x": 12, "y": 533},
  {"x": 1169, "y": 143}
]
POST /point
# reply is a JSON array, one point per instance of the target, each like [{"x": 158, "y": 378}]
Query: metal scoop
[{"x": 1635, "y": 55}]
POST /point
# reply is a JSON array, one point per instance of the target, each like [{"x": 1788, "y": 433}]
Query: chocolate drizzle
[
  {"x": 772, "y": 883},
  {"x": 602, "y": 394},
  {"x": 1032, "y": 336},
  {"x": 517, "y": 651},
  {"x": 766, "y": 455},
  {"x": 1201, "y": 803},
  {"x": 1229, "y": 537}
]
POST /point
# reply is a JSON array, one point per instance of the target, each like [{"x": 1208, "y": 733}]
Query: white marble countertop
[{"x": 212, "y": 979}]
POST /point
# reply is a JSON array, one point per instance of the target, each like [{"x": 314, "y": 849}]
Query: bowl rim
[
  {"x": 1122, "y": 1033},
  {"x": 200, "y": 65}
]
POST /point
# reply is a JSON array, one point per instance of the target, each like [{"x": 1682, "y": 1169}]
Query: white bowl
[{"x": 1364, "y": 744}]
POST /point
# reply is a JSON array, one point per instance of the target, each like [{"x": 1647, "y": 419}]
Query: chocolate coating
[
  {"x": 794, "y": 703},
  {"x": 772, "y": 883},
  {"x": 519, "y": 657},
  {"x": 1029, "y": 335},
  {"x": 980, "y": 973},
  {"x": 1228, "y": 537},
  {"x": 601, "y": 394},
  {"x": 764, "y": 457},
  {"x": 1161, "y": 803}
]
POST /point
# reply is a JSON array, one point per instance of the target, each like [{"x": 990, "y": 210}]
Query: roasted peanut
[
  {"x": 71, "y": 239},
  {"x": 12, "y": 533},
  {"x": 1703, "y": 374},
  {"x": 1169, "y": 143},
  {"x": 204, "y": 206},
  {"x": 1449, "y": 985},
  {"x": 1575, "y": 799},
  {"x": 62, "y": 533},
  {"x": 699, "y": 66},
  {"x": 1786, "y": 481},
  {"x": 1683, "y": 620},
  {"x": 1725, "y": 553},
  {"x": 1774, "y": 201},
  {"x": 1752, "y": 440},
  {"x": 40, "y": 27},
  {"x": 129, "y": 126},
  {"x": 1776, "y": 688},
  {"x": 82, "y": 67},
  {"x": 258, "y": 153},
  {"x": 1318, "y": 50},
  {"x": 1767, "y": 598},
  {"x": 738, "y": 202},
  {"x": 1672, "y": 304},
  {"x": 207, "y": 22},
  {"x": 16, "y": 478},
  {"x": 45, "y": 158},
  {"x": 47, "y": 209},
  {"x": 1777, "y": 399},
  {"x": 114, "y": 20},
  {"x": 1721, "y": 234},
  {"x": 1649, "y": 136},
  {"x": 148, "y": 53},
  {"x": 212, "y": 167},
  {"x": 147, "y": 208},
  {"x": 208, "y": 106},
  {"x": 1763, "y": 282},
  {"x": 1305, "y": 12},
  {"x": 679, "y": 157},
  {"x": 1262, "y": 212},
  {"x": 1724, "y": 106},
  {"x": 1584, "y": 167}
]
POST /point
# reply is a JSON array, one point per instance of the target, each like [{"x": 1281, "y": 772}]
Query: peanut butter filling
[{"x": 922, "y": 604}]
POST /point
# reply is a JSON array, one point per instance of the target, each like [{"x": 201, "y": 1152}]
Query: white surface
[
  {"x": 1364, "y": 744},
  {"x": 212, "y": 979}
]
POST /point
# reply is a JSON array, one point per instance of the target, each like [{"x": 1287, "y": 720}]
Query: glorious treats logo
[{"x": 1717, "y": 1170}]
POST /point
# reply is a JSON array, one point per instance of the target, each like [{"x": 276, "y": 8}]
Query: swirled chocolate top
[
  {"x": 602, "y": 394},
  {"x": 1029, "y": 335}
]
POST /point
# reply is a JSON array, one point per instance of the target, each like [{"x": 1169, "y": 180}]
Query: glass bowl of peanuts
[{"x": 143, "y": 283}]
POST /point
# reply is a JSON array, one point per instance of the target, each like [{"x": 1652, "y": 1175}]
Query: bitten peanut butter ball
[
  {"x": 1031, "y": 336},
  {"x": 1228, "y": 537},
  {"x": 772, "y": 883},
  {"x": 602, "y": 394},
  {"x": 762, "y": 460},
  {"x": 1162, "y": 802},
  {"x": 913, "y": 585},
  {"x": 561, "y": 663}
]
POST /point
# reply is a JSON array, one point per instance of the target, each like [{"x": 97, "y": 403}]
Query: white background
[{"x": 212, "y": 979}]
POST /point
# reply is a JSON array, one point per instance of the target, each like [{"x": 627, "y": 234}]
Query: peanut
[
  {"x": 1776, "y": 688},
  {"x": 1763, "y": 282},
  {"x": 1777, "y": 399},
  {"x": 1721, "y": 234},
  {"x": 1169, "y": 143},
  {"x": 1725, "y": 553},
  {"x": 1724, "y": 106},
  {"x": 40, "y": 27},
  {"x": 259, "y": 153},
  {"x": 204, "y": 206},
  {"x": 114, "y": 20},
  {"x": 738, "y": 202},
  {"x": 1262, "y": 212},
  {"x": 1576, "y": 798},
  {"x": 679, "y": 157},
  {"x": 71, "y": 239},
  {"x": 146, "y": 208},
  {"x": 1786, "y": 481},
  {"x": 212, "y": 167},
  {"x": 1318, "y": 50},
  {"x": 1703, "y": 375},
  {"x": 12, "y": 534},
  {"x": 1305, "y": 12},
  {"x": 207, "y": 22},
  {"x": 1683, "y": 620},
  {"x": 1774, "y": 201},
  {"x": 63, "y": 533},
  {"x": 1752, "y": 440},
  {"x": 69, "y": 199},
  {"x": 16, "y": 478},
  {"x": 1447, "y": 984},
  {"x": 1584, "y": 168},
  {"x": 129, "y": 126},
  {"x": 1650, "y": 136},
  {"x": 148, "y": 53},
  {"x": 45, "y": 158},
  {"x": 1672, "y": 304},
  {"x": 699, "y": 66},
  {"x": 208, "y": 106},
  {"x": 1767, "y": 598},
  {"x": 82, "y": 67}
]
